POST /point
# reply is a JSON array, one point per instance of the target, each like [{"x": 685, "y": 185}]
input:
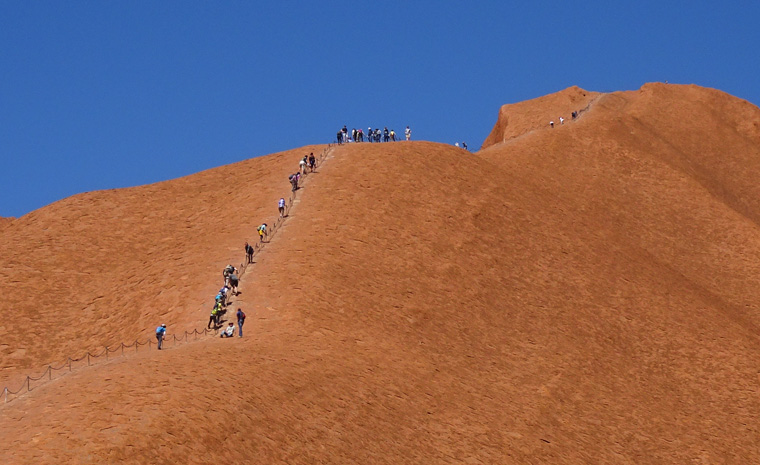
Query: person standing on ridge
[
  {"x": 241, "y": 319},
  {"x": 281, "y": 207},
  {"x": 160, "y": 333},
  {"x": 408, "y": 133},
  {"x": 393, "y": 135}
]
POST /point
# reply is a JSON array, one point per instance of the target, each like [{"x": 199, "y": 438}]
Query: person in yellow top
[{"x": 262, "y": 231}]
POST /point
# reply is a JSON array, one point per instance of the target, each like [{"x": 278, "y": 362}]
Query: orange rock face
[
  {"x": 520, "y": 118},
  {"x": 582, "y": 294}
]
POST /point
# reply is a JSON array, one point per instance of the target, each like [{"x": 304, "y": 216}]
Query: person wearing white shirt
[{"x": 228, "y": 331}]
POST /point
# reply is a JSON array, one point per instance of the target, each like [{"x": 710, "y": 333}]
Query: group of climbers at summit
[{"x": 372, "y": 135}]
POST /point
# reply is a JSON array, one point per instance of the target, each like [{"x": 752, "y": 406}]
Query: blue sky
[{"x": 97, "y": 95}]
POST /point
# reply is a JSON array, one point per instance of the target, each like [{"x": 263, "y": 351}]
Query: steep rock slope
[
  {"x": 585, "y": 294},
  {"x": 520, "y": 118},
  {"x": 101, "y": 268}
]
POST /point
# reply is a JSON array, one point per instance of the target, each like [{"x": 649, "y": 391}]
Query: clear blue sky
[{"x": 105, "y": 94}]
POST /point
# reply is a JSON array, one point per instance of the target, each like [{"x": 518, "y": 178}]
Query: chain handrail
[{"x": 258, "y": 247}]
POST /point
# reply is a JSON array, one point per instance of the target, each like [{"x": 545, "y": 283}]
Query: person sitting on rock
[{"x": 229, "y": 331}]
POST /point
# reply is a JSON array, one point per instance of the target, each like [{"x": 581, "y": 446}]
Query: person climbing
[
  {"x": 293, "y": 181},
  {"x": 223, "y": 293},
  {"x": 312, "y": 161},
  {"x": 160, "y": 334},
  {"x": 262, "y": 230},
  {"x": 228, "y": 331},
  {"x": 234, "y": 281},
  {"x": 249, "y": 252},
  {"x": 212, "y": 319},
  {"x": 241, "y": 319},
  {"x": 302, "y": 165},
  {"x": 464, "y": 145},
  {"x": 561, "y": 120},
  {"x": 408, "y": 133},
  {"x": 281, "y": 207},
  {"x": 218, "y": 311},
  {"x": 551, "y": 123},
  {"x": 226, "y": 272}
]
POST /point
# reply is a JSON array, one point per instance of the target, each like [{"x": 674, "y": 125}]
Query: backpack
[{"x": 242, "y": 316}]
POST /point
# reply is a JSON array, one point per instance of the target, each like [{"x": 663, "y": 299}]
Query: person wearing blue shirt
[{"x": 160, "y": 333}]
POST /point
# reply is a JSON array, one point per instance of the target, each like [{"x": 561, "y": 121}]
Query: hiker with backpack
[
  {"x": 228, "y": 270},
  {"x": 293, "y": 178},
  {"x": 241, "y": 319}
]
